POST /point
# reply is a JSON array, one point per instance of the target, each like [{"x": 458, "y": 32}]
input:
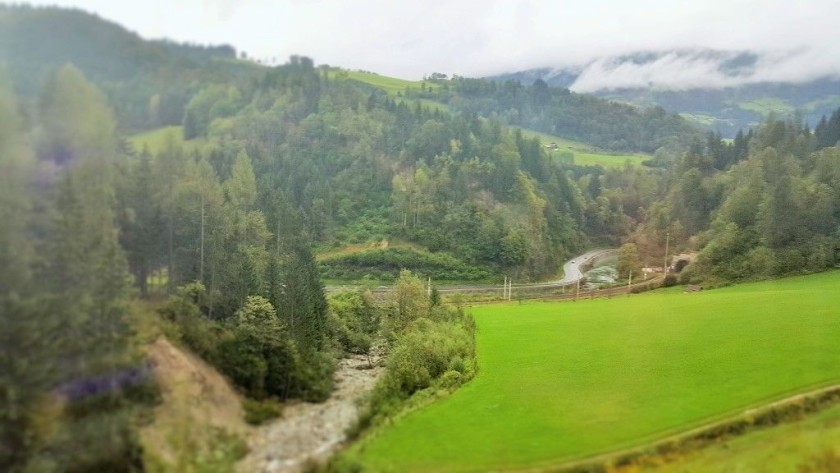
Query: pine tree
[
  {"x": 142, "y": 228},
  {"x": 85, "y": 279},
  {"x": 22, "y": 349}
]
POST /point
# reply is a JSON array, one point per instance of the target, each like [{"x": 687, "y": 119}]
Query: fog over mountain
[
  {"x": 703, "y": 69},
  {"x": 790, "y": 42},
  {"x": 687, "y": 69},
  {"x": 720, "y": 90}
]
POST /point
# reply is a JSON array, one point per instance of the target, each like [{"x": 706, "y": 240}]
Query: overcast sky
[{"x": 480, "y": 37}]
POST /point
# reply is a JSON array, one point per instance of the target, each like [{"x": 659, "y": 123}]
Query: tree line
[{"x": 763, "y": 205}]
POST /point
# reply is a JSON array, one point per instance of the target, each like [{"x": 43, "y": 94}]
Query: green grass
[
  {"x": 586, "y": 155},
  {"x": 564, "y": 381},
  {"x": 391, "y": 85},
  {"x": 766, "y": 105},
  {"x": 786, "y": 447},
  {"x": 157, "y": 140}
]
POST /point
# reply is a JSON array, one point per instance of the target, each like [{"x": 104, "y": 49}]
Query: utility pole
[
  {"x": 510, "y": 289},
  {"x": 665, "y": 263},
  {"x": 504, "y": 290},
  {"x": 201, "y": 264}
]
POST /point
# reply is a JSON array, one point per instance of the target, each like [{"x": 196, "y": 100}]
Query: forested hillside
[
  {"x": 763, "y": 205},
  {"x": 148, "y": 83},
  {"x": 558, "y": 111},
  {"x": 435, "y": 165},
  {"x": 244, "y": 173},
  {"x": 727, "y": 97},
  {"x": 293, "y": 158}
]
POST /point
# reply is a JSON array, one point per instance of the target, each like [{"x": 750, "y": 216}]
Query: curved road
[{"x": 572, "y": 272}]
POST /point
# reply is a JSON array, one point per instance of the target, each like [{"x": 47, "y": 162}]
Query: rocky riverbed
[{"x": 309, "y": 432}]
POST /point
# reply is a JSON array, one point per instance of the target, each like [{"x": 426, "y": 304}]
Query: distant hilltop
[{"x": 721, "y": 90}]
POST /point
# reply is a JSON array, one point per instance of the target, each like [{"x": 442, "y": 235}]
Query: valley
[{"x": 213, "y": 260}]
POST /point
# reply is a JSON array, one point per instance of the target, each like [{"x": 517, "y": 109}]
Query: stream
[{"x": 308, "y": 432}]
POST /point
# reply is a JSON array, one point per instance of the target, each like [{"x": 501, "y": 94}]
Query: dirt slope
[{"x": 199, "y": 407}]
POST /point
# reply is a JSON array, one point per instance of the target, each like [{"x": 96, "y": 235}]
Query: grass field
[
  {"x": 156, "y": 140},
  {"x": 564, "y": 381},
  {"x": 767, "y": 105},
  {"x": 785, "y": 447},
  {"x": 391, "y": 85},
  {"x": 586, "y": 155}
]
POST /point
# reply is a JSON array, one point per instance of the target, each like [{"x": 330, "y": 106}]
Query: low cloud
[
  {"x": 487, "y": 37},
  {"x": 681, "y": 70}
]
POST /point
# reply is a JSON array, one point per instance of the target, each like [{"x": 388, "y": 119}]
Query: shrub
[
  {"x": 437, "y": 352},
  {"x": 353, "y": 320},
  {"x": 258, "y": 412},
  {"x": 386, "y": 264},
  {"x": 253, "y": 349}
]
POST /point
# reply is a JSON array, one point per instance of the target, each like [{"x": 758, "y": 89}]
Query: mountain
[
  {"x": 147, "y": 82},
  {"x": 719, "y": 90}
]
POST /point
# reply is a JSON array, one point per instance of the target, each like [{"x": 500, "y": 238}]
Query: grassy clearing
[
  {"x": 327, "y": 253},
  {"x": 157, "y": 140},
  {"x": 587, "y": 155},
  {"x": 767, "y": 105},
  {"x": 565, "y": 381},
  {"x": 786, "y": 447},
  {"x": 391, "y": 85}
]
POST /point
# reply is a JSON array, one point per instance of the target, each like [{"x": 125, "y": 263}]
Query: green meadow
[
  {"x": 563, "y": 381},
  {"x": 157, "y": 140},
  {"x": 767, "y": 105},
  {"x": 792, "y": 446},
  {"x": 586, "y": 155},
  {"x": 391, "y": 85}
]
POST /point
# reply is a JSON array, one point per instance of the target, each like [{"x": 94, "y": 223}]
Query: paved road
[{"x": 572, "y": 272}]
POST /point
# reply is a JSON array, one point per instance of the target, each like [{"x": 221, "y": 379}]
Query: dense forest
[
  {"x": 148, "y": 83},
  {"x": 558, "y": 111},
  {"x": 264, "y": 166}
]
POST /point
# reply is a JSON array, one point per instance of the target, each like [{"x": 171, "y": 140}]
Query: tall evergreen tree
[
  {"x": 86, "y": 278},
  {"x": 21, "y": 347}
]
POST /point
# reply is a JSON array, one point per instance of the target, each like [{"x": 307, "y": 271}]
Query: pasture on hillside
[
  {"x": 391, "y": 85},
  {"x": 157, "y": 140},
  {"x": 559, "y": 382},
  {"x": 584, "y": 154}
]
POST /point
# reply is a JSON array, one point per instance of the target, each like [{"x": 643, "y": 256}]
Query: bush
[
  {"x": 670, "y": 281},
  {"x": 425, "y": 352},
  {"x": 258, "y": 412},
  {"x": 353, "y": 321},
  {"x": 386, "y": 264},
  {"x": 253, "y": 349},
  {"x": 435, "y": 352}
]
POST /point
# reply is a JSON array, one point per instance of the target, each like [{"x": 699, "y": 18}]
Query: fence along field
[{"x": 559, "y": 382}]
